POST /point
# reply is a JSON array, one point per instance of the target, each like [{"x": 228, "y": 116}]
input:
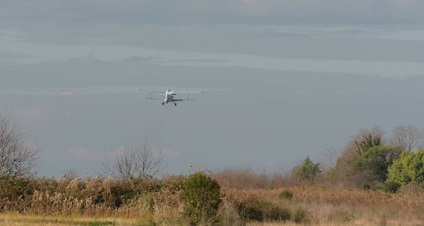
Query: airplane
[{"x": 170, "y": 96}]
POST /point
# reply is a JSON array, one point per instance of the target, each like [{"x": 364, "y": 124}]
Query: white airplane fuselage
[{"x": 169, "y": 98}]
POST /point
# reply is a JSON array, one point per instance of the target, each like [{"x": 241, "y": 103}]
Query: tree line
[{"x": 370, "y": 160}]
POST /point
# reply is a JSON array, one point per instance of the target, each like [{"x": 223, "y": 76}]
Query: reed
[{"x": 105, "y": 201}]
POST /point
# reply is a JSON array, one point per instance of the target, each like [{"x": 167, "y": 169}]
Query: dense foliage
[
  {"x": 407, "y": 169},
  {"x": 376, "y": 161},
  {"x": 201, "y": 195},
  {"x": 308, "y": 170}
]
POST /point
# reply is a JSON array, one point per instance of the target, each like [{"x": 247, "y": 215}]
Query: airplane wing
[
  {"x": 186, "y": 95},
  {"x": 186, "y": 92},
  {"x": 152, "y": 94},
  {"x": 180, "y": 95}
]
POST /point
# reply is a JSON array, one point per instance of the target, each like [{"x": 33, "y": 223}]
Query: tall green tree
[
  {"x": 308, "y": 170},
  {"x": 408, "y": 168},
  {"x": 346, "y": 171},
  {"x": 376, "y": 160}
]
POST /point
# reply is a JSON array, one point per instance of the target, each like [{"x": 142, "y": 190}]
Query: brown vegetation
[{"x": 159, "y": 202}]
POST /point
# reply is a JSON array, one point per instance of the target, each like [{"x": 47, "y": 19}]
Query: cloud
[
  {"x": 9, "y": 55},
  {"x": 253, "y": 6},
  {"x": 333, "y": 11},
  {"x": 88, "y": 58},
  {"x": 136, "y": 59},
  {"x": 204, "y": 60},
  {"x": 148, "y": 23},
  {"x": 85, "y": 13},
  {"x": 66, "y": 93}
]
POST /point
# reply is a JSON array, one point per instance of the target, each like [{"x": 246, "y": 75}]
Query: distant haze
[{"x": 282, "y": 79}]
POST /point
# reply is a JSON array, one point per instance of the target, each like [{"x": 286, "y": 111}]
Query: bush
[
  {"x": 299, "y": 215},
  {"x": 201, "y": 195},
  {"x": 286, "y": 194},
  {"x": 391, "y": 187},
  {"x": 253, "y": 209},
  {"x": 408, "y": 168},
  {"x": 228, "y": 215},
  {"x": 15, "y": 193}
]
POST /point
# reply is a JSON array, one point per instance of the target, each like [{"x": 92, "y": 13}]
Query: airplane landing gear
[
  {"x": 163, "y": 103},
  {"x": 175, "y": 104}
]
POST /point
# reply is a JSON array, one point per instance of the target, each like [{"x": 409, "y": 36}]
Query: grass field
[
  {"x": 22, "y": 219},
  {"x": 341, "y": 206},
  {"x": 19, "y": 219},
  {"x": 312, "y": 205}
]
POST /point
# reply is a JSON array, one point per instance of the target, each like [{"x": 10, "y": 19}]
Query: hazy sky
[{"x": 283, "y": 79}]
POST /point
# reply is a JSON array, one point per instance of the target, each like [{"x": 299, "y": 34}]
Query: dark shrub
[
  {"x": 299, "y": 215},
  {"x": 391, "y": 187},
  {"x": 201, "y": 195},
  {"x": 286, "y": 194},
  {"x": 253, "y": 209}
]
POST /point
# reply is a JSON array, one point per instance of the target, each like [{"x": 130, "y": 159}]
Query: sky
[{"x": 282, "y": 79}]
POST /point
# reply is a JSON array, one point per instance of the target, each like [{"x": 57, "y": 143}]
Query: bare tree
[
  {"x": 329, "y": 159},
  {"x": 136, "y": 162},
  {"x": 408, "y": 137},
  {"x": 18, "y": 157}
]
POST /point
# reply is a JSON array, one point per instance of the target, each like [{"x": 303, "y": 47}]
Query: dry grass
[
  {"x": 146, "y": 201},
  {"x": 350, "y": 223},
  {"x": 341, "y": 206},
  {"x": 73, "y": 201},
  {"x": 21, "y": 219}
]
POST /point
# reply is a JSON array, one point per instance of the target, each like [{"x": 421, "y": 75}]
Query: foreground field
[
  {"x": 340, "y": 206},
  {"x": 107, "y": 202},
  {"x": 14, "y": 220},
  {"x": 20, "y": 219}
]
